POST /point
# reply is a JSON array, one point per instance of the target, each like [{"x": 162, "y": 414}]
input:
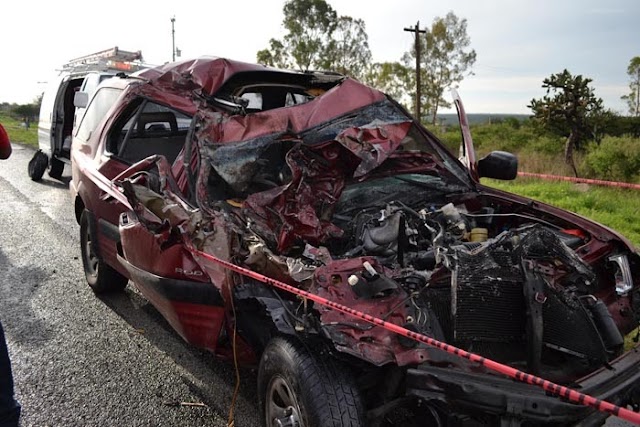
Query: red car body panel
[{"x": 283, "y": 232}]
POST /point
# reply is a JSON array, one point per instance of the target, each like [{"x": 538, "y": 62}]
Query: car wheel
[
  {"x": 100, "y": 276},
  {"x": 299, "y": 389},
  {"x": 37, "y": 165},
  {"x": 57, "y": 167}
]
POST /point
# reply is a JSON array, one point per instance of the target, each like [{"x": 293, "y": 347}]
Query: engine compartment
[
  {"x": 368, "y": 210},
  {"x": 462, "y": 267}
]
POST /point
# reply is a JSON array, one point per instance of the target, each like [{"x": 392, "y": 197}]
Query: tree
[
  {"x": 275, "y": 56},
  {"x": 568, "y": 109},
  {"x": 309, "y": 25},
  {"x": 633, "y": 98},
  {"x": 445, "y": 60},
  {"x": 348, "y": 48},
  {"x": 27, "y": 112},
  {"x": 317, "y": 39},
  {"x": 392, "y": 78}
]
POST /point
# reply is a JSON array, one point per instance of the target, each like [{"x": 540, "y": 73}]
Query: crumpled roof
[{"x": 207, "y": 73}]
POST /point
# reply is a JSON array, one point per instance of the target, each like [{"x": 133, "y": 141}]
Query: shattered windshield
[
  {"x": 414, "y": 190},
  {"x": 379, "y": 139}
]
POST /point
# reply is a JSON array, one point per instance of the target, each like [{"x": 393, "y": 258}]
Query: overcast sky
[{"x": 518, "y": 43}]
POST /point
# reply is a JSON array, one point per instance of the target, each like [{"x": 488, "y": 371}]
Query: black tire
[
  {"x": 100, "y": 276},
  {"x": 56, "y": 169},
  {"x": 298, "y": 388},
  {"x": 37, "y": 165}
]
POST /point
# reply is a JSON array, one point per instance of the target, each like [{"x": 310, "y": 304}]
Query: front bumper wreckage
[
  {"x": 481, "y": 393},
  {"x": 619, "y": 381},
  {"x": 477, "y": 390}
]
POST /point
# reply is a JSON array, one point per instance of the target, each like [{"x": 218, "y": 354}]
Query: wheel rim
[
  {"x": 282, "y": 409},
  {"x": 92, "y": 258}
]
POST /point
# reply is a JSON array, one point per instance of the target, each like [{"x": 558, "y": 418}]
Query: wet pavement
[{"x": 79, "y": 360}]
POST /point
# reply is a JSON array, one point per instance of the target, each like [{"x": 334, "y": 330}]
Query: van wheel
[
  {"x": 56, "y": 169},
  {"x": 298, "y": 388},
  {"x": 37, "y": 165},
  {"x": 100, "y": 276}
]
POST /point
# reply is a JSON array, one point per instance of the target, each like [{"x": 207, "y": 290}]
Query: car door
[
  {"x": 158, "y": 262},
  {"x": 48, "y": 112},
  {"x": 467, "y": 152},
  {"x": 141, "y": 128},
  {"x": 159, "y": 265},
  {"x": 497, "y": 164},
  {"x": 92, "y": 169}
]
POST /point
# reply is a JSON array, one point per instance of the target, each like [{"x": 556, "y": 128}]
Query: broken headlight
[{"x": 624, "y": 282}]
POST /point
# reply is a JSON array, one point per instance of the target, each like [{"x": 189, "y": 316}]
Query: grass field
[{"x": 18, "y": 133}]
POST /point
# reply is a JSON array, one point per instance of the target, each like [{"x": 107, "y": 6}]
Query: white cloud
[{"x": 516, "y": 42}]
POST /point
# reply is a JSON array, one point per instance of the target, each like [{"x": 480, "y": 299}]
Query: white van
[{"x": 64, "y": 103}]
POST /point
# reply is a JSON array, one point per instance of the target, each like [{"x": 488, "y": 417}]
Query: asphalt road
[{"x": 79, "y": 360}]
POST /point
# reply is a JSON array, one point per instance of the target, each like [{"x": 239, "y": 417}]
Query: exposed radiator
[
  {"x": 489, "y": 299},
  {"x": 491, "y": 314}
]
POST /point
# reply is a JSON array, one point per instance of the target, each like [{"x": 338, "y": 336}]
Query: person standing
[
  {"x": 5, "y": 145},
  {"x": 9, "y": 407}
]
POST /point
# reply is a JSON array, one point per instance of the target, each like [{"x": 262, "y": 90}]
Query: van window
[{"x": 99, "y": 106}]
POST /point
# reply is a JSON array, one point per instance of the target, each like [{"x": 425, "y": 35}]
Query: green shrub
[
  {"x": 615, "y": 158},
  {"x": 547, "y": 144},
  {"x": 449, "y": 136},
  {"x": 510, "y": 135},
  {"x": 17, "y": 132},
  {"x": 623, "y": 125},
  {"x": 513, "y": 122}
]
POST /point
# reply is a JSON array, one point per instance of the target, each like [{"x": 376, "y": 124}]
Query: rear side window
[
  {"x": 270, "y": 97},
  {"x": 149, "y": 129},
  {"x": 101, "y": 103}
]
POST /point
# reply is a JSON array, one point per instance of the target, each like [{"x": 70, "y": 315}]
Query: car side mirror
[
  {"x": 498, "y": 165},
  {"x": 81, "y": 99}
]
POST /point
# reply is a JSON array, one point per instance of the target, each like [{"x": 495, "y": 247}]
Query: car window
[
  {"x": 146, "y": 129},
  {"x": 296, "y": 98},
  {"x": 270, "y": 97},
  {"x": 102, "y": 101},
  {"x": 255, "y": 100}
]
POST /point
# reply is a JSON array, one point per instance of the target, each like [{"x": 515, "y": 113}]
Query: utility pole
[
  {"x": 638, "y": 93},
  {"x": 173, "y": 39},
  {"x": 416, "y": 30}
]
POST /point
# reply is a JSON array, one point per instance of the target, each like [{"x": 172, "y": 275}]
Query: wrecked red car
[{"x": 248, "y": 204}]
